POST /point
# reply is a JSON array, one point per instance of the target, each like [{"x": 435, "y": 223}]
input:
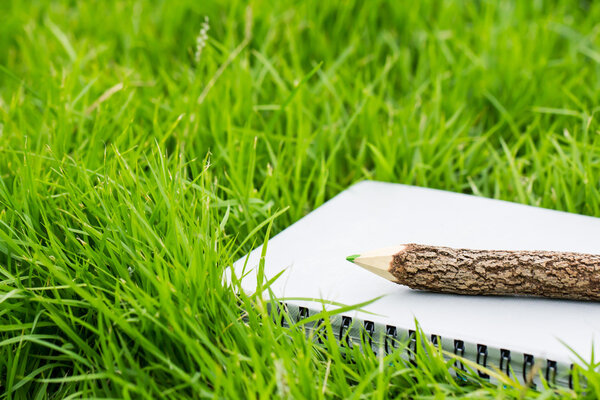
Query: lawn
[{"x": 144, "y": 146}]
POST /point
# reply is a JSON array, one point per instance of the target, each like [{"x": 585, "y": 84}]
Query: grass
[{"x": 132, "y": 173}]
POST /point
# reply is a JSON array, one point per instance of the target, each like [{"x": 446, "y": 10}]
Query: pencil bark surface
[{"x": 498, "y": 272}]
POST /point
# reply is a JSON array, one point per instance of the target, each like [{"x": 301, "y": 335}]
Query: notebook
[{"x": 511, "y": 333}]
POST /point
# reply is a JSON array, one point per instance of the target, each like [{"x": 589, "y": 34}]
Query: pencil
[{"x": 561, "y": 275}]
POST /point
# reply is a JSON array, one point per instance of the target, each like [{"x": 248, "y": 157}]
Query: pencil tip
[{"x": 352, "y": 257}]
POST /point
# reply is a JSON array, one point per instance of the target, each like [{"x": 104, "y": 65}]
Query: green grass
[{"x": 131, "y": 174}]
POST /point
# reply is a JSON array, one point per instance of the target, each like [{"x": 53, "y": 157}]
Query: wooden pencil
[{"x": 562, "y": 275}]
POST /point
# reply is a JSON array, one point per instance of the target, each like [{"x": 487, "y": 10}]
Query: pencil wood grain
[{"x": 564, "y": 275}]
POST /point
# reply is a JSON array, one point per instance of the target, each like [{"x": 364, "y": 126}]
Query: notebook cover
[{"x": 371, "y": 215}]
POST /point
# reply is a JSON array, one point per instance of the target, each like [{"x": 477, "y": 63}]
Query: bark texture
[{"x": 498, "y": 272}]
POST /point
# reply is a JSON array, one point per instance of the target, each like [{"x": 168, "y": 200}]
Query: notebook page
[{"x": 371, "y": 215}]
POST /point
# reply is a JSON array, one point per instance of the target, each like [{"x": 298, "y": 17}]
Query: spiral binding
[
  {"x": 527, "y": 363},
  {"x": 412, "y": 346},
  {"x": 505, "y": 361},
  {"x": 282, "y": 311},
  {"x": 482, "y": 354},
  {"x": 302, "y": 313},
  {"x": 459, "y": 350},
  {"x": 345, "y": 326},
  {"x": 551, "y": 368},
  {"x": 571, "y": 376},
  {"x": 322, "y": 335},
  {"x": 390, "y": 336},
  {"x": 391, "y": 333},
  {"x": 369, "y": 331}
]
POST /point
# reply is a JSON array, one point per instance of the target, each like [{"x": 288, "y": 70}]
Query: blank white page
[{"x": 371, "y": 215}]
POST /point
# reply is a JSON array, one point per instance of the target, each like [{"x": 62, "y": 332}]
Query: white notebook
[{"x": 495, "y": 331}]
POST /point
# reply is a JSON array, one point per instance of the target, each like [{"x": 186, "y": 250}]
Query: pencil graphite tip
[{"x": 352, "y": 257}]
